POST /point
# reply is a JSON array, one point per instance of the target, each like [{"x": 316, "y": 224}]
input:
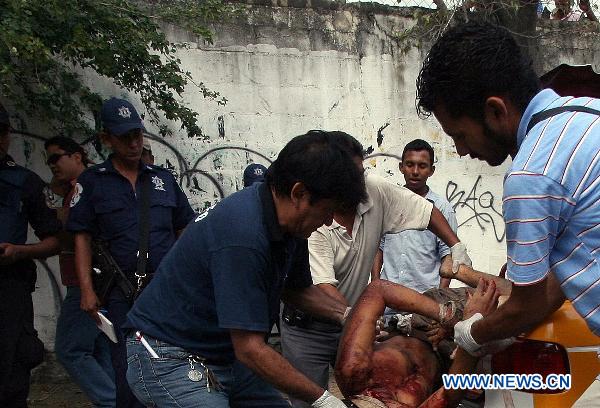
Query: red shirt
[{"x": 66, "y": 259}]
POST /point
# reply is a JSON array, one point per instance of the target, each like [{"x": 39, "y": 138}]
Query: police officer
[
  {"x": 106, "y": 206},
  {"x": 220, "y": 286},
  {"x": 22, "y": 202}
]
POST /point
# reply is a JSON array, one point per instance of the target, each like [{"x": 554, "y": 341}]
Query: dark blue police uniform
[
  {"x": 106, "y": 206},
  {"x": 227, "y": 271},
  {"x": 22, "y": 202}
]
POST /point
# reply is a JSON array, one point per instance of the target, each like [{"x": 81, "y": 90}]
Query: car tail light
[{"x": 532, "y": 357}]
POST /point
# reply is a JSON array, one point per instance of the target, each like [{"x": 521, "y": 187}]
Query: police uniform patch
[
  {"x": 77, "y": 190},
  {"x": 159, "y": 184}
]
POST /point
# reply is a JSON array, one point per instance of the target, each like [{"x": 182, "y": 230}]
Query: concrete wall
[{"x": 285, "y": 70}]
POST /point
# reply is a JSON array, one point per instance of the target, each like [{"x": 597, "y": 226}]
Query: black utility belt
[{"x": 294, "y": 317}]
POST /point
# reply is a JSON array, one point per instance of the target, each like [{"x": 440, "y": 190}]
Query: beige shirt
[{"x": 345, "y": 261}]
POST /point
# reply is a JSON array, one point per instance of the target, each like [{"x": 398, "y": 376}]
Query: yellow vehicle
[{"x": 562, "y": 344}]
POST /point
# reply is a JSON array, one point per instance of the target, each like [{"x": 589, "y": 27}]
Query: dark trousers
[
  {"x": 19, "y": 346},
  {"x": 118, "y": 307}
]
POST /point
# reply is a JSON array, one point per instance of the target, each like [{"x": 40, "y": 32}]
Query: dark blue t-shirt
[
  {"x": 225, "y": 272},
  {"x": 105, "y": 205}
]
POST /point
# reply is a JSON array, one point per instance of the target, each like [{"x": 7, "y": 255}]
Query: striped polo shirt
[{"x": 551, "y": 203}]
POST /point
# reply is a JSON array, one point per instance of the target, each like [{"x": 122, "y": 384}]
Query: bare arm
[
  {"x": 484, "y": 300},
  {"x": 252, "y": 351},
  {"x": 83, "y": 267},
  {"x": 510, "y": 319},
  {"x": 471, "y": 277},
  {"x": 12, "y": 253},
  {"x": 377, "y": 264},
  {"x": 440, "y": 227},
  {"x": 356, "y": 345},
  {"x": 317, "y": 302},
  {"x": 333, "y": 292}
]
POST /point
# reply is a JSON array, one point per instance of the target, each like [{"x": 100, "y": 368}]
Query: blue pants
[
  {"x": 118, "y": 307},
  {"x": 163, "y": 382},
  {"x": 84, "y": 351}
]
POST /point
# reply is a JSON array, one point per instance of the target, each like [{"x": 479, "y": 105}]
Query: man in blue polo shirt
[
  {"x": 551, "y": 190},
  {"x": 220, "y": 287},
  {"x": 106, "y": 206}
]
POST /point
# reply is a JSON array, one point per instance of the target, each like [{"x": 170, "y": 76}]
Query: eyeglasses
[{"x": 54, "y": 158}]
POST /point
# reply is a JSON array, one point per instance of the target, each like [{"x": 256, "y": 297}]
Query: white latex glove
[
  {"x": 328, "y": 401},
  {"x": 459, "y": 256},
  {"x": 462, "y": 335},
  {"x": 464, "y": 339}
]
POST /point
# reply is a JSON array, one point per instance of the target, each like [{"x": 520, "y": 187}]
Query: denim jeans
[
  {"x": 163, "y": 382},
  {"x": 84, "y": 351}
]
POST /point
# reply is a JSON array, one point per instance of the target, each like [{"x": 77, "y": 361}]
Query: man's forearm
[
  {"x": 83, "y": 260},
  {"x": 440, "y": 227},
  {"x": 46, "y": 247},
  {"x": 272, "y": 367},
  {"x": 316, "y": 302},
  {"x": 516, "y": 315},
  {"x": 377, "y": 264},
  {"x": 333, "y": 292}
]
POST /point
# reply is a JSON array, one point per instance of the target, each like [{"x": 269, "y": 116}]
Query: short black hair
[
  {"x": 344, "y": 140},
  {"x": 69, "y": 146},
  {"x": 471, "y": 62},
  {"x": 326, "y": 168},
  {"x": 417, "y": 145}
]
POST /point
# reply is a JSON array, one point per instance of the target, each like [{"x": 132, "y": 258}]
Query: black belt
[{"x": 295, "y": 317}]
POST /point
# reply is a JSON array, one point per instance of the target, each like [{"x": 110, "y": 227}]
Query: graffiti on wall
[{"x": 480, "y": 206}]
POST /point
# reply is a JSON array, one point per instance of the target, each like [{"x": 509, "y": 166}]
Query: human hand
[
  {"x": 484, "y": 300},
  {"x": 327, "y": 400},
  {"x": 446, "y": 268},
  {"x": 435, "y": 334},
  {"x": 9, "y": 253},
  {"x": 90, "y": 304},
  {"x": 459, "y": 256}
]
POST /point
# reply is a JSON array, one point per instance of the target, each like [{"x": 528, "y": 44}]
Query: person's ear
[
  {"x": 298, "y": 193},
  {"x": 432, "y": 170},
  {"x": 496, "y": 114},
  {"x": 77, "y": 157},
  {"x": 105, "y": 138}
]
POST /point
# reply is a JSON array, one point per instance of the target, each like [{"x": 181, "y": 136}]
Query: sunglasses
[{"x": 54, "y": 158}]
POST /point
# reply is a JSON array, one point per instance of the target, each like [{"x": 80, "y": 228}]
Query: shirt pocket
[
  {"x": 161, "y": 211},
  {"x": 114, "y": 217}
]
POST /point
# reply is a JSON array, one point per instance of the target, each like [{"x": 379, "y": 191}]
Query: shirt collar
[
  {"x": 540, "y": 102},
  {"x": 270, "y": 215},
  {"x": 108, "y": 167}
]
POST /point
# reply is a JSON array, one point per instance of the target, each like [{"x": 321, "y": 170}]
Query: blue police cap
[
  {"x": 4, "y": 119},
  {"x": 254, "y": 173},
  {"x": 119, "y": 117}
]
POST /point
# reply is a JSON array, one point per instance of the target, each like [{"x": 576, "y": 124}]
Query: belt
[{"x": 295, "y": 317}]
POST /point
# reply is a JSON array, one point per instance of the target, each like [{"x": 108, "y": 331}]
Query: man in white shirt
[{"x": 341, "y": 258}]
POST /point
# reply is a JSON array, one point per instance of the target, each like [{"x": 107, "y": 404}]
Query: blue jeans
[
  {"x": 84, "y": 351},
  {"x": 163, "y": 382}
]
